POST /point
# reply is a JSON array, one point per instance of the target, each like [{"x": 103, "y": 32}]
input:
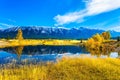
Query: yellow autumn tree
[
  {"x": 94, "y": 43},
  {"x": 19, "y": 35},
  {"x": 106, "y": 35},
  {"x": 98, "y": 38},
  {"x": 90, "y": 43}
]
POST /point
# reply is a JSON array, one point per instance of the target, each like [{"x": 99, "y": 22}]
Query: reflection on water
[
  {"x": 35, "y": 54},
  {"x": 36, "y": 50},
  {"x": 18, "y": 50},
  {"x": 114, "y": 54},
  {"x": 38, "y": 53}
]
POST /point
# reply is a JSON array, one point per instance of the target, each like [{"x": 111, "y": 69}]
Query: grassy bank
[
  {"x": 66, "y": 69},
  {"x": 24, "y": 42}
]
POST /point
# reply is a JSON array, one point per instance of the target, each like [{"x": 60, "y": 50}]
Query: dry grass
[
  {"x": 66, "y": 69},
  {"x": 24, "y": 42}
]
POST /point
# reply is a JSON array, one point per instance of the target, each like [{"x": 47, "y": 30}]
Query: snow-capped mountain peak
[{"x": 53, "y": 32}]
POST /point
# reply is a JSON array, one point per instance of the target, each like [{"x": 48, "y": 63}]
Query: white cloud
[
  {"x": 93, "y": 7},
  {"x": 68, "y": 18},
  {"x": 100, "y": 6},
  {"x": 117, "y": 28},
  {"x": 4, "y": 25}
]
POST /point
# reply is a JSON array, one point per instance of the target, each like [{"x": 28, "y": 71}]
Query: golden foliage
[
  {"x": 97, "y": 44},
  {"x": 98, "y": 38},
  {"x": 90, "y": 43},
  {"x": 19, "y": 35},
  {"x": 94, "y": 42},
  {"x": 106, "y": 35}
]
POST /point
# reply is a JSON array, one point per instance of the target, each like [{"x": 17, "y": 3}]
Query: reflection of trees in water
[
  {"x": 18, "y": 50},
  {"x": 52, "y": 49},
  {"x": 105, "y": 49},
  {"x": 38, "y": 50}
]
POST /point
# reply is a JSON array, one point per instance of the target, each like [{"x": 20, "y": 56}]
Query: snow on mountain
[{"x": 38, "y": 32}]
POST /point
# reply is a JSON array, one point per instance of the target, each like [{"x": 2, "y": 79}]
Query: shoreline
[
  {"x": 34, "y": 42},
  {"x": 52, "y": 42}
]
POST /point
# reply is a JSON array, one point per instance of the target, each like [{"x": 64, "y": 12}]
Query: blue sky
[{"x": 102, "y": 14}]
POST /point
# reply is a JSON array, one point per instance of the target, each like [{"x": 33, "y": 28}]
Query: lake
[{"x": 37, "y": 54}]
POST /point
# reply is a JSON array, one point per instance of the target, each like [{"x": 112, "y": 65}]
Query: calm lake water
[{"x": 36, "y": 54}]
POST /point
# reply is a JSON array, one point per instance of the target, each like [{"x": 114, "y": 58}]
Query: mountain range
[{"x": 34, "y": 32}]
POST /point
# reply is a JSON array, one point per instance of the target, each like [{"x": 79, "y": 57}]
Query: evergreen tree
[
  {"x": 81, "y": 40},
  {"x": 118, "y": 38},
  {"x": 8, "y": 37}
]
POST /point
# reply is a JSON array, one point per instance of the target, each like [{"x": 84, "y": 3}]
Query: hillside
[{"x": 34, "y": 32}]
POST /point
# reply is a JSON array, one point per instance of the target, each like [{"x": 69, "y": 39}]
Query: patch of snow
[{"x": 43, "y": 31}]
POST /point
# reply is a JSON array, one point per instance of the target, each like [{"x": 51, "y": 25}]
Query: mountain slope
[{"x": 53, "y": 32}]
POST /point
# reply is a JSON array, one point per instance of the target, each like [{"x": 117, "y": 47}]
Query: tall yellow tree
[{"x": 19, "y": 35}]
